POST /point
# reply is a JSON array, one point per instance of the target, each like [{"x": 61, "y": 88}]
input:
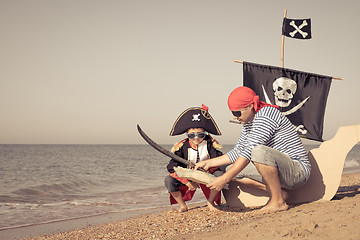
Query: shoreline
[
  {"x": 64, "y": 225},
  {"x": 99, "y": 223}
]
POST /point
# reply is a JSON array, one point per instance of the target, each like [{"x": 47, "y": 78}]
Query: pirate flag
[
  {"x": 301, "y": 96},
  {"x": 297, "y": 28},
  {"x": 195, "y": 117}
]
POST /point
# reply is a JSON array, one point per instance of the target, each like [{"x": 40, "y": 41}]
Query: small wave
[
  {"x": 144, "y": 190},
  {"x": 351, "y": 163},
  {"x": 92, "y": 203},
  {"x": 54, "y": 192}
]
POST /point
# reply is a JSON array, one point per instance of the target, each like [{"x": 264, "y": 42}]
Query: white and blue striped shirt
[{"x": 271, "y": 128}]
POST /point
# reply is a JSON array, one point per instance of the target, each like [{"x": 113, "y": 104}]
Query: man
[{"x": 269, "y": 154}]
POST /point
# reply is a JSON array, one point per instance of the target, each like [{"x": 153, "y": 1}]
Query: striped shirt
[{"x": 271, "y": 128}]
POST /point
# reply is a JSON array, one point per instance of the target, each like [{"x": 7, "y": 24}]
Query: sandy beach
[{"x": 335, "y": 219}]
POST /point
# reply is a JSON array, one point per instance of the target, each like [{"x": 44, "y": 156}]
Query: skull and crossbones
[
  {"x": 284, "y": 90},
  {"x": 196, "y": 117},
  {"x": 298, "y": 29}
]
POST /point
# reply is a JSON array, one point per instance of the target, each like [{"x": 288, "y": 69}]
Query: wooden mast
[{"x": 282, "y": 44}]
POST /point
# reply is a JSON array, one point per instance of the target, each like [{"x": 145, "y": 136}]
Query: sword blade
[
  {"x": 160, "y": 148},
  {"x": 267, "y": 99},
  {"x": 297, "y": 107}
]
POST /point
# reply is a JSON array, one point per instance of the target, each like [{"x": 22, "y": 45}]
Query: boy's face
[{"x": 196, "y": 141}]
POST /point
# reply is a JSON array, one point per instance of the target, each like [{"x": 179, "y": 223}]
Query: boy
[{"x": 198, "y": 146}]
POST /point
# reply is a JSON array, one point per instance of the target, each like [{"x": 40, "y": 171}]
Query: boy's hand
[
  {"x": 191, "y": 165},
  {"x": 192, "y": 186}
]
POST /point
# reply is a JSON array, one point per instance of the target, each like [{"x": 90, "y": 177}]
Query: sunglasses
[{"x": 200, "y": 135}]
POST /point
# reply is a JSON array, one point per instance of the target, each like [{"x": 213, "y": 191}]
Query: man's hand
[
  {"x": 203, "y": 165},
  {"x": 214, "y": 162},
  {"x": 217, "y": 184},
  {"x": 192, "y": 186}
]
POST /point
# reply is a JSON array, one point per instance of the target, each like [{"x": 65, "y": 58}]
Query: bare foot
[
  {"x": 274, "y": 207},
  {"x": 212, "y": 207},
  {"x": 183, "y": 209},
  {"x": 285, "y": 194}
]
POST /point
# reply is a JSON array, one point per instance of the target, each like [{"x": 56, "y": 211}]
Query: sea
[{"x": 49, "y": 183}]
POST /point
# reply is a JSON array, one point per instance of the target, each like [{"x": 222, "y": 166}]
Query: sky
[{"x": 89, "y": 71}]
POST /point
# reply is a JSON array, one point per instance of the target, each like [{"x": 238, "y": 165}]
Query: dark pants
[{"x": 172, "y": 184}]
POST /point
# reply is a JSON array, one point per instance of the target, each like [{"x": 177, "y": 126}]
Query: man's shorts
[{"x": 291, "y": 174}]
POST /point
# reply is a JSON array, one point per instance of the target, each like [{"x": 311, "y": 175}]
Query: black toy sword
[{"x": 161, "y": 149}]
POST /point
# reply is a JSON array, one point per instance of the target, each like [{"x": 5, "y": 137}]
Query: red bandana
[{"x": 242, "y": 97}]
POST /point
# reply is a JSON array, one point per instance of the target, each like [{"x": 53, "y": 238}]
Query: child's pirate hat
[{"x": 195, "y": 117}]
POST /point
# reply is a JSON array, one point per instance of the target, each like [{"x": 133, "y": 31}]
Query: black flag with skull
[{"x": 301, "y": 96}]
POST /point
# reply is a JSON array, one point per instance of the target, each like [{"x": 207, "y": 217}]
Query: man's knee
[
  {"x": 263, "y": 155},
  {"x": 259, "y": 152}
]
